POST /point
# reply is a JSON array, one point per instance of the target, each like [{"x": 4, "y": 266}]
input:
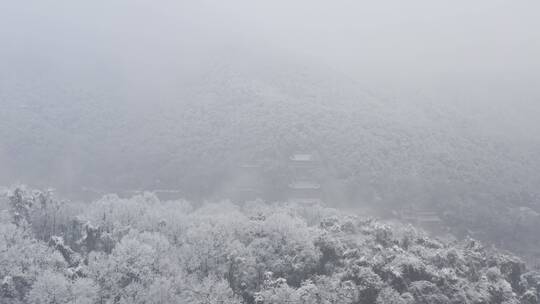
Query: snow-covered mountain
[{"x": 115, "y": 133}]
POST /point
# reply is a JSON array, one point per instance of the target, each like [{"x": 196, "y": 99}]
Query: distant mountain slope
[{"x": 114, "y": 134}]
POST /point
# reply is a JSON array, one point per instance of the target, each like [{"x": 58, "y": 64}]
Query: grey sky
[{"x": 471, "y": 50}]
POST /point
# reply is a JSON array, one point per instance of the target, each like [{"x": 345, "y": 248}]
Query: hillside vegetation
[
  {"x": 191, "y": 133},
  {"x": 143, "y": 250},
  {"x": 112, "y": 136}
]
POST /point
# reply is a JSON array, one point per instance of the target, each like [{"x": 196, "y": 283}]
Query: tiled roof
[{"x": 302, "y": 157}]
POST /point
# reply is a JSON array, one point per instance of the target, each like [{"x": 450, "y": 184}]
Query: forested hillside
[
  {"x": 226, "y": 114},
  {"x": 269, "y": 152},
  {"x": 112, "y": 133},
  {"x": 143, "y": 250}
]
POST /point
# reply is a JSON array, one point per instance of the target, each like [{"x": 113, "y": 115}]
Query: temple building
[{"x": 305, "y": 185}]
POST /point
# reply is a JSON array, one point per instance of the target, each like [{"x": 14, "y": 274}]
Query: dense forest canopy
[{"x": 143, "y": 250}]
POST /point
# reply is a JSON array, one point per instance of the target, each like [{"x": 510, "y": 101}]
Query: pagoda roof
[{"x": 303, "y": 157}]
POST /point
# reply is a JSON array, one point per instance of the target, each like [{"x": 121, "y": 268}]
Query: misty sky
[
  {"x": 396, "y": 41},
  {"x": 483, "y": 51}
]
